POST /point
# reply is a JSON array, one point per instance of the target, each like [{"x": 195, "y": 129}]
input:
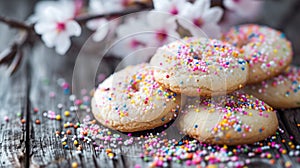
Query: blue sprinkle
[
  {"x": 239, "y": 129},
  {"x": 67, "y": 91},
  {"x": 287, "y": 93},
  {"x": 251, "y": 35},
  {"x": 243, "y": 68},
  {"x": 196, "y": 126},
  {"x": 241, "y": 61}
]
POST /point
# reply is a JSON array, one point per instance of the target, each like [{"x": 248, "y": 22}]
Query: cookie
[
  {"x": 130, "y": 100},
  {"x": 232, "y": 119},
  {"x": 282, "y": 91},
  {"x": 200, "y": 66},
  {"x": 266, "y": 50}
]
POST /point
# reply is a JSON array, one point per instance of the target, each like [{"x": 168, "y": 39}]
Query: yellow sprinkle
[
  {"x": 58, "y": 117},
  {"x": 283, "y": 151},
  {"x": 67, "y": 113},
  {"x": 275, "y": 51},
  {"x": 64, "y": 143},
  {"x": 212, "y": 166},
  {"x": 66, "y": 125},
  {"x": 74, "y": 165},
  {"x": 110, "y": 155},
  {"x": 269, "y": 156},
  {"x": 211, "y": 110},
  {"x": 75, "y": 142}
]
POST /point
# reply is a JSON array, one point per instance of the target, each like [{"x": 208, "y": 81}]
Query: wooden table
[{"x": 26, "y": 143}]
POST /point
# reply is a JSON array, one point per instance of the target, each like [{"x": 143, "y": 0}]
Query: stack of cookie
[{"x": 200, "y": 80}]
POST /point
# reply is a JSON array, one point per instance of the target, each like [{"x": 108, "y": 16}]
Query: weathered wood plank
[{"x": 12, "y": 139}]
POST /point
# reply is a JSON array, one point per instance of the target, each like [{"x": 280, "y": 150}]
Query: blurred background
[{"x": 283, "y": 15}]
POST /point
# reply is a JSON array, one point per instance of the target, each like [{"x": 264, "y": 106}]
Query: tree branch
[
  {"x": 140, "y": 7},
  {"x": 15, "y": 23}
]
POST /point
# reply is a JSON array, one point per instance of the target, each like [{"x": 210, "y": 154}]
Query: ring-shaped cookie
[
  {"x": 266, "y": 50},
  {"x": 130, "y": 100},
  {"x": 200, "y": 66},
  {"x": 282, "y": 91},
  {"x": 232, "y": 119}
]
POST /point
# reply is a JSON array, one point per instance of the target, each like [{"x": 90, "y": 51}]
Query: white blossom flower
[
  {"x": 139, "y": 38},
  {"x": 244, "y": 8},
  {"x": 68, "y": 6},
  {"x": 129, "y": 36},
  {"x": 173, "y": 7},
  {"x": 56, "y": 27},
  {"x": 100, "y": 26},
  {"x": 239, "y": 11},
  {"x": 200, "y": 19},
  {"x": 161, "y": 31}
]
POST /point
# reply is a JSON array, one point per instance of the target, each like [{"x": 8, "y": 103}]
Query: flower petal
[
  {"x": 44, "y": 27},
  {"x": 52, "y": 14},
  {"x": 213, "y": 15},
  {"x": 62, "y": 44},
  {"x": 161, "y": 5},
  {"x": 101, "y": 33},
  {"x": 73, "y": 28},
  {"x": 49, "y": 38},
  {"x": 202, "y": 5},
  {"x": 157, "y": 19}
]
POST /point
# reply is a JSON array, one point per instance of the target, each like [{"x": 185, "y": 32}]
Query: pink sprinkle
[
  {"x": 52, "y": 94},
  {"x": 137, "y": 166},
  {"x": 65, "y": 85},
  {"x": 6, "y": 118},
  {"x": 78, "y": 102}
]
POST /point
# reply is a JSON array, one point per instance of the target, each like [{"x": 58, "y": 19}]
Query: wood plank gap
[{"x": 27, "y": 112}]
